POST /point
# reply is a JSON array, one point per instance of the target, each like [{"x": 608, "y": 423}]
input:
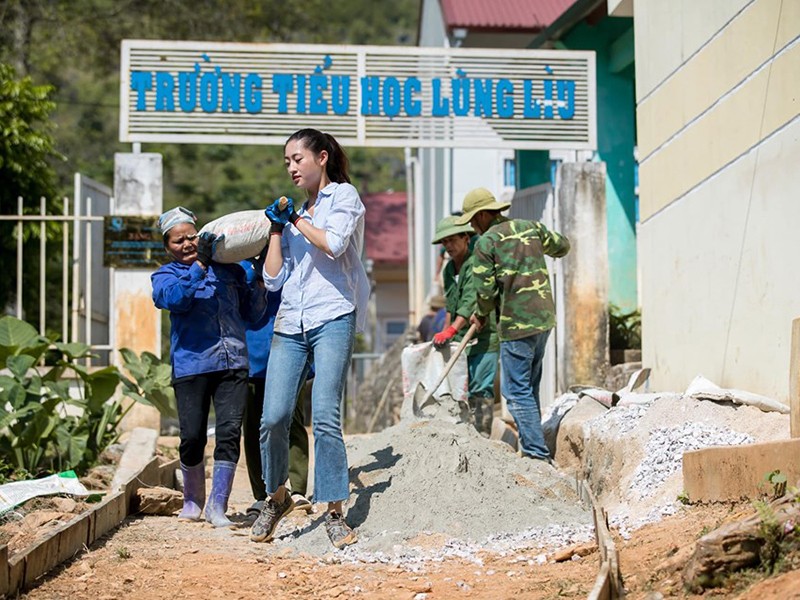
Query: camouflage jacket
[
  {"x": 509, "y": 271},
  {"x": 459, "y": 289}
]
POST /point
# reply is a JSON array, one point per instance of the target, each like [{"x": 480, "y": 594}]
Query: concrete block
[
  {"x": 139, "y": 450},
  {"x": 734, "y": 472},
  {"x": 568, "y": 446}
]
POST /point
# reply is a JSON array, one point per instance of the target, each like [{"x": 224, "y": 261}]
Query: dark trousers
[
  {"x": 298, "y": 442},
  {"x": 194, "y": 394}
]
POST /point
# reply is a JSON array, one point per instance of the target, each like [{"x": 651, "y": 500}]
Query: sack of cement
[
  {"x": 245, "y": 235},
  {"x": 703, "y": 389},
  {"x": 422, "y": 366}
]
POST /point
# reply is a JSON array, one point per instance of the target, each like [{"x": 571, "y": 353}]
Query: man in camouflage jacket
[{"x": 511, "y": 278}]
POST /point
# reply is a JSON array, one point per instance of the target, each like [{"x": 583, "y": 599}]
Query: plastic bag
[
  {"x": 246, "y": 234},
  {"x": 17, "y": 492}
]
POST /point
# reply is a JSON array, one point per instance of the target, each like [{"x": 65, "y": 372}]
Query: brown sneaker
[
  {"x": 338, "y": 531},
  {"x": 302, "y": 503},
  {"x": 271, "y": 515}
]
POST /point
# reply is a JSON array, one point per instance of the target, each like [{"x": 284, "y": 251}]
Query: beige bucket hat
[
  {"x": 447, "y": 227},
  {"x": 477, "y": 200}
]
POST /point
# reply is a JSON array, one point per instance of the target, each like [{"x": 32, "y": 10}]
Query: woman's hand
[
  {"x": 276, "y": 215},
  {"x": 205, "y": 247}
]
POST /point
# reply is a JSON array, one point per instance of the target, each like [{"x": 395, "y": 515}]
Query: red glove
[{"x": 440, "y": 340}]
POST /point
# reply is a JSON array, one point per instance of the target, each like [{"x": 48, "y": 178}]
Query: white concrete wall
[
  {"x": 479, "y": 168},
  {"x": 718, "y": 100}
]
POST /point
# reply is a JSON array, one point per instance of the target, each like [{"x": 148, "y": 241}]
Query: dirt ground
[{"x": 160, "y": 557}]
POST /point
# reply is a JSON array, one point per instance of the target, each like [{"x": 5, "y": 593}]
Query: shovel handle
[{"x": 447, "y": 368}]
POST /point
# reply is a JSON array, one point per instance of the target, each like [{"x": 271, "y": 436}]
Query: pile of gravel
[{"x": 663, "y": 454}]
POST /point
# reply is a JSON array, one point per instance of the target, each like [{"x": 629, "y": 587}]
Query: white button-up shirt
[{"x": 317, "y": 287}]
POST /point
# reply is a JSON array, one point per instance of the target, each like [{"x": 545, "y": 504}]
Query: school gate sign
[{"x": 204, "y": 92}]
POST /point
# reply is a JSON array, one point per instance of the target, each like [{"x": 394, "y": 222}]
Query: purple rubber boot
[
  {"x": 194, "y": 492},
  {"x": 221, "y": 484}
]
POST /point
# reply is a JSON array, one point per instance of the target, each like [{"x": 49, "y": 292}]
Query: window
[
  {"x": 395, "y": 327},
  {"x": 509, "y": 172}
]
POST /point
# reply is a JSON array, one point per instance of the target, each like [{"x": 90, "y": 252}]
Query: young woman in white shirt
[{"x": 315, "y": 255}]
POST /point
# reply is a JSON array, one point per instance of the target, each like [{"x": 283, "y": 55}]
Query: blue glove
[{"x": 276, "y": 215}]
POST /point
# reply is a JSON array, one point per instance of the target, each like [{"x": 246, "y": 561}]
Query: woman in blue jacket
[{"x": 209, "y": 304}]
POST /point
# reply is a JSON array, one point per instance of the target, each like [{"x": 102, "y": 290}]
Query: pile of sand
[{"x": 437, "y": 487}]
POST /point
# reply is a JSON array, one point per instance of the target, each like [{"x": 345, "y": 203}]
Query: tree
[{"x": 26, "y": 152}]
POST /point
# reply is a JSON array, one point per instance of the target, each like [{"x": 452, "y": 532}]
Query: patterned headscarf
[{"x": 173, "y": 217}]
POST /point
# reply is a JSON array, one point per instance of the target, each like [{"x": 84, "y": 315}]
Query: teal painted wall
[
  {"x": 616, "y": 138},
  {"x": 533, "y": 168}
]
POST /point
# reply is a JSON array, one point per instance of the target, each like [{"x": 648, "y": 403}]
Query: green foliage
[
  {"x": 683, "y": 498},
  {"x": 624, "y": 329},
  {"x": 54, "y": 418},
  {"x": 26, "y": 152},
  {"x": 74, "y": 45},
  {"x": 154, "y": 380},
  {"x": 26, "y": 144},
  {"x": 777, "y": 481},
  {"x": 772, "y": 534}
]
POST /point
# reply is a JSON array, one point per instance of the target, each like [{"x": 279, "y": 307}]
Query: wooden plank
[
  {"x": 605, "y": 542},
  {"x": 3, "y": 570},
  {"x": 149, "y": 476},
  {"x": 60, "y": 545},
  {"x": 167, "y": 473},
  {"x": 107, "y": 515},
  {"x": 602, "y": 585},
  {"x": 41, "y": 558},
  {"x": 16, "y": 574},
  {"x": 25, "y": 568},
  {"x": 794, "y": 381},
  {"x": 72, "y": 537}
]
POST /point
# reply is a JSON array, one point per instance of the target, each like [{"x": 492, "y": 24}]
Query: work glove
[
  {"x": 206, "y": 242},
  {"x": 291, "y": 215},
  {"x": 277, "y": 216},
  {"x": 441, "y": 339}
]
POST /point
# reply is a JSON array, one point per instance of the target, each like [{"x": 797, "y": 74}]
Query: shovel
[{"x": 429, "y": 396}]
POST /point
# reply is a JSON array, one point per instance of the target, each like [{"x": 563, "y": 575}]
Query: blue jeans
[
  {"x": 521, "y": 374},
  {"x": 330, "y": 346}
]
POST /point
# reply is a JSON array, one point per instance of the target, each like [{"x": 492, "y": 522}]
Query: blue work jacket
[{"x": 209, "y": 311}]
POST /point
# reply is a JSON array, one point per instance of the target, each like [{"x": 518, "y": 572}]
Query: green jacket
[
  {"x": 461, "y": 300},
  {"x": 509, "y": 270}
]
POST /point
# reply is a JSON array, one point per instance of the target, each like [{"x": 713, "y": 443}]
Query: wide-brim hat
[
  {"x": 447, "y": 227},
  {"x": 438, "y": 301},
  {"x": 477, "y": 200}
]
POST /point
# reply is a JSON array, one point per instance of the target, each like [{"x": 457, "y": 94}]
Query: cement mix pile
[{"x": 429, "y": 490}]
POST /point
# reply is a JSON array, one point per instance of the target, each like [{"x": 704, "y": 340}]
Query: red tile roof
[
  {"x": 503, "y": 14},
  {"x": 386, "y": 228}
]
